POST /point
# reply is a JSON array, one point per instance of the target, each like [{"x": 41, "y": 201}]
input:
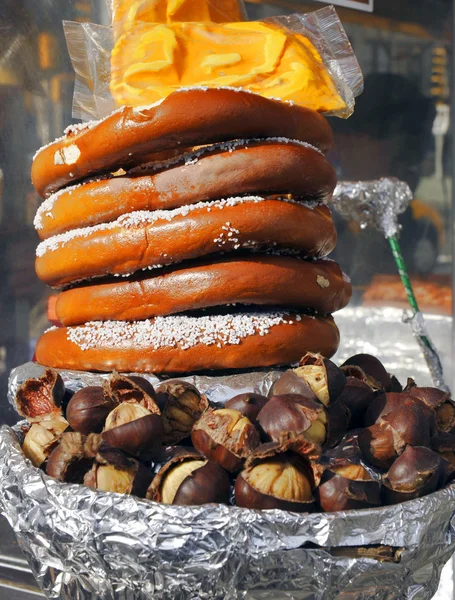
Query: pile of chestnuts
[{"x": 326, "y": 438}]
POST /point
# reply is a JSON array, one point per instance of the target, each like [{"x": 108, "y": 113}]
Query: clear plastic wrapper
[
  {"x": 328, "y": 77},
  {"x": 87, "y": 544}
]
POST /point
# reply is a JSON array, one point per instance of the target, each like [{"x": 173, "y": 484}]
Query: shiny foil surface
[
  {"x": 374, "y": 203},
  {"x": 85, "y": 544}
]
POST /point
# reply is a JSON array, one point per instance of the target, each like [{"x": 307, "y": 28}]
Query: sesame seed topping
[{"x": 181, "y": 332}]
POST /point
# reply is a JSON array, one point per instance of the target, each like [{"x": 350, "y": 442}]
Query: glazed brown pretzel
[
  {"x": 248, "y": 279},
  {"x": 120, "y": 248},
  {"x": 255, "y": 167},
  {"x": 284, "y": 344},
  {"x": 183, "y": 119}
]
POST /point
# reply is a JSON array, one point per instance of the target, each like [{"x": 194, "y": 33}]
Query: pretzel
[
  {"x": 184, "y": 119},
  {"x": 188, "y": 345},
  {"x": 269, "y": 166},
  {"x": 152, "y": 239},
  {"x": 244, "y": 279}
]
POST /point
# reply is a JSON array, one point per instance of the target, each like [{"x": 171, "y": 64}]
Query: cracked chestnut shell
[
  {"x": 190, "y": 479},
  {"x": 323, "y": 376},
  {"x": 372, "y": 367},
  {"x": 249, "y": 404},
  {"x": 183, "y": 406},
  {"x": 40, "y": 397},
  {"x": 226, "y": 437},
  {"x": 133, "y": 388},
  {"x": 71, "y": 459},
  {"x": 41, "y": 439},
  {"x": 277, "y": 477},
  {"x": 134, "y": 429},
  {"x": 291, "y": 383},
  {"x": 386, "y": 404},
  {"x": 113, "y": 471},
  {"x": 295, "y": 414},
  {"x": 348, "y": 487},
  {"x": 438, "y": 401},
  {"x": 357, "y": 397},
  {"x": 416, "y": 473},
  {"x": 88, "y": 409},
  {"x": 384, "y": 441}
]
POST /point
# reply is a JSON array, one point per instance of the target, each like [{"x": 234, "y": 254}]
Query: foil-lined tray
[{"x": 84, "y": 544}]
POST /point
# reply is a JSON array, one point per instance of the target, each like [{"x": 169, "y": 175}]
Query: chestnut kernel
[
  {"x": 88, "y": 408},
  {"x": 416, "y": 473},
  {"x": 190, "y": 480},
  {"x": 278, "y": 482},
  {"x": 40, "y": 397},
  {"x": 372, "y": 367},
  {"x": 183, "y": 406},
  {"x": 323, "y": 376},
  {"x": 70, "y": 461},
  {"x": 41, "y": 438},
  {"x": 134, "y": 429},
  {"x": 248, "y": 404},
  {"x": 296, "y": 414},
  {"x": 113, "y": 472},
  {"x": 348, "y": 487},
  {"x": 226, "y": 437}
]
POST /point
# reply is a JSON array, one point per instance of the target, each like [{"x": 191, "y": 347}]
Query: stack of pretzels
[{"x": 190, "y": 235}]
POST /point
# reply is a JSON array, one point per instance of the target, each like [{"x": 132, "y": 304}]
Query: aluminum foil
[
  {"x": 374, "y": 203},
  {"x": 85, "y": 544}
]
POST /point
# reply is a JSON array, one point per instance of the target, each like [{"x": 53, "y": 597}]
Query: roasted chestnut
[
  {"x": 133, "y": 389},
  {"x": 440, "y": 402},
  {"x": 115, "y": 472},
  {"x": 70, "y": 460},
  {"x": 372, "y": 367},
  {"x": 323, "y": 376},
  {"x": 248, "y": 404},
  {"x": 348, "y": 487},
  {"x": 417, "y": 472},
  {"x": 444, "y": 445},
  {"x": 41, "y": 438},
  {"x": 88, "y": 408},
  {"x": 190, "y": 479},
  {"x": 41, "y": 396},
  {"x": 276, "y": 478},
  {"x": 377, "y": 445},
  {"x": 134, "y": 429},
  {"x": 184, "y": 405},
  {"x": 293, "y": 413},
  {"x": 357, "y": 397},
  {"x": 290, "y": 383},
  {"x": 226, "y": 437},
  {"x": 386, "y": 404}
]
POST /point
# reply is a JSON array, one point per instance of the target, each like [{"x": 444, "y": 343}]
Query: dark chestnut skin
[
  {"x": 40, "y": 396},
  {"x": 69, "y": 461},
  {"x": 416, "y": 473},
  {"x": 132, "y": 389},
  {"x": 357, "y": 397},
  {"x": 87, "y": 410},
  {"x": 377, "y": 445},
  {"x": 350, "y": 489},
  {"x": 338, "y": 416},
  {"x": 385, "y": 404},
  {"x": 296, "y": 414},
  {"x": 291, "y": 383},
  {"x": 139, "y": 437},
  {"x": 440, "y": 402},
  {"x": 205, "y": 485},
  {"x": 372, "y": 367},
  {"x": 444, "y": 445},
  {"x": 248, "y": 404}
]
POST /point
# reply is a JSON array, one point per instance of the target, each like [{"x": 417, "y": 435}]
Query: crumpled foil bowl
[{"x": 85, "y": 544}]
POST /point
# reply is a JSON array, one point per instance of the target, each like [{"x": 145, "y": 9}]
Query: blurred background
[{"x": 400, "y": 128}]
